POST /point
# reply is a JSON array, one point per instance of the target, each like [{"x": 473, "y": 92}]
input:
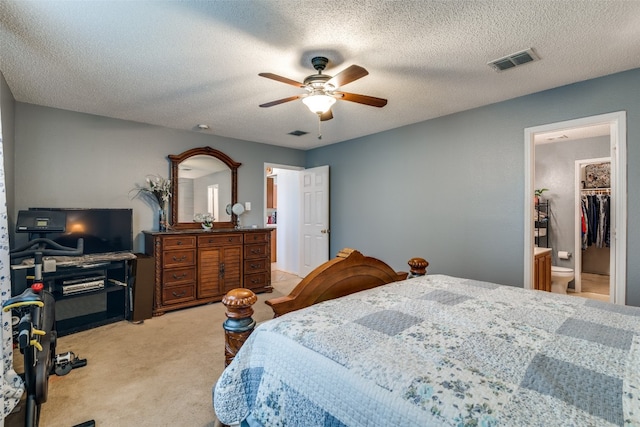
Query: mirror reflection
[
  {"x": 203, "y": 182},
  {"x": 204, "y": 186}
]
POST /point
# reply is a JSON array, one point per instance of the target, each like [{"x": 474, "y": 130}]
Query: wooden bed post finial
[
  {"x": 239, "y": 323},
  {"x": 418, "y": 267}
]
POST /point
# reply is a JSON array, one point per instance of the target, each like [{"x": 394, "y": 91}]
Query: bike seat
[{"x": 27, "y": 297}]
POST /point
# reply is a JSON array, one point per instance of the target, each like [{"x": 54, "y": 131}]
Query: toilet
[{"x": 560, "y": 278}]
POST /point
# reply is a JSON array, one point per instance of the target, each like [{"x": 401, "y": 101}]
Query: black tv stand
[{"x": 90, "y": 290}]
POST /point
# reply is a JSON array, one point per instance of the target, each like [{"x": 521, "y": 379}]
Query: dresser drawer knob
[
  {"x": 256, "y": 251},
  {"x": 179, "y": 294},
  {"x": 182, "y": 276},
  {"x": 182, "y": 258},
  {"x": 254, "y": 266}
]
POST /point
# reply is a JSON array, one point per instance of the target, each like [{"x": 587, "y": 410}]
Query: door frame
[{"x": 618, "y": 148}]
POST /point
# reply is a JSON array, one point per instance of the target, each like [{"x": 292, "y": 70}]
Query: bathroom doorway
[{"x": 616, "y": 123}]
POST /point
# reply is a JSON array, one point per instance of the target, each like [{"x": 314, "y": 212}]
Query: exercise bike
[{"x": 36, "y": 332}]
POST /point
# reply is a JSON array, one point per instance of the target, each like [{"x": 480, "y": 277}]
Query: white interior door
[{"x": 314, "y": 218}]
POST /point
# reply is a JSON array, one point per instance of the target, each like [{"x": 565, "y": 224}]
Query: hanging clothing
[
  {"x": 583, "y": 220},
  {"x": 604, "y": 221},
  {"x": 596, "y": 220},
  {"x": 607, "y": 232}
]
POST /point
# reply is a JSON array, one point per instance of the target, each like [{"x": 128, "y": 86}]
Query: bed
[{"x": 436, "y": 350}]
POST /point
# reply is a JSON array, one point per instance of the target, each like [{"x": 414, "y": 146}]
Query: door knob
[{"x": 325, "y": 231}]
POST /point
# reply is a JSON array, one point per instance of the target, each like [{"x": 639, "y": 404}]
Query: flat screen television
[{"x": 103, "y": 230}]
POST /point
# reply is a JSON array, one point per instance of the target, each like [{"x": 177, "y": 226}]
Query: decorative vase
[
  {"x": 206, "y": 227},
  {"x": 162, "y": 217}
]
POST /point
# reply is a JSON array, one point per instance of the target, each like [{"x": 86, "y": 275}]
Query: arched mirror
[{"x": 203, "y": 180}]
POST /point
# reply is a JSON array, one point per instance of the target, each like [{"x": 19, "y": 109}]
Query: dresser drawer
[
  {"x": 177, "y": 276},
  {"x": 258, "y": 280},
  {"x": 220, "y": 240},
  {"x": 178, "y": 294},
  {"x": 256, "y": 265},
  {"x": 255, "y": 251},
  {"x": 260, "y": 237},
  {"x": 178, "y": 242},
  {"x": 183, "y": 258}
]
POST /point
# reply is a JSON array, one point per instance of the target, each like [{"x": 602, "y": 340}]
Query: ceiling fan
[{"x": 322, "y": 89}]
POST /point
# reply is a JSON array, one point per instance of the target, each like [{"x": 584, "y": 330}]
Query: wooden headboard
[{"x": 346, "y": 274}]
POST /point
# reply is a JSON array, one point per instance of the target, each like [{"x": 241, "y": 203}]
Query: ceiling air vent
[
  {"x": 298, "y": 133},
  {"x": 513, "y": 60}
]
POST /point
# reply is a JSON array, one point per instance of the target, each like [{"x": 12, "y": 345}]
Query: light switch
[{"x": 247, "y": 206}]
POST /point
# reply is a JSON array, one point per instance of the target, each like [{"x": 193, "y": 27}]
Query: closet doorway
[
  {"x": 595, "y": 264},
  {"x": 617, "y": 125}
]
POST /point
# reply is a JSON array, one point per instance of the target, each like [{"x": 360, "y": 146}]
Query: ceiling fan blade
[
  {"x": 280, "y": 101},
  {"x": 281, "y": 79},
  {"x": 326, "y": 116},
  {"x": 361, "y": 99},
  {"x": 347, "y": 75}
]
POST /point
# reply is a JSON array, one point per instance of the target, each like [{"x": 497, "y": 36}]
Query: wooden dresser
[{"x": 194, "y": 267}]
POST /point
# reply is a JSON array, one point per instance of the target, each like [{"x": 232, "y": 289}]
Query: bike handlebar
[{"x": 56, "y": 248}]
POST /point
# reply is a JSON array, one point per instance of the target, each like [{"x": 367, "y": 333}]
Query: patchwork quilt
[{"x": 439, "y": 350}]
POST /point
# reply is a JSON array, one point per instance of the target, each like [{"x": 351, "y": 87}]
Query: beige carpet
[{"x": 159, "y": 373}]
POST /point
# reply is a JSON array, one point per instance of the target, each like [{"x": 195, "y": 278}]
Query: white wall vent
[{"x": 513, "y": 60}]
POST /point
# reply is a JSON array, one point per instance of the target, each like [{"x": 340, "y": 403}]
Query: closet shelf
[{"x": 606, "y": 190}]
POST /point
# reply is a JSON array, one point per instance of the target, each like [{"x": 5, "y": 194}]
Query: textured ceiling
[{"x": 181, "y": 63}]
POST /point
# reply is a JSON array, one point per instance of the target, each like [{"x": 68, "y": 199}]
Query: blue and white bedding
[{"x": 438, "y": 350}]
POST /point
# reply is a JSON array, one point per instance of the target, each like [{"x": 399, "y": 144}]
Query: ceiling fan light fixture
[
  {"x": 321, "y": 89},
  {"x": 319, "y": 103}
]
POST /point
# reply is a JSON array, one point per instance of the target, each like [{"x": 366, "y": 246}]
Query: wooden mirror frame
[{"x": 176, "y": 159}]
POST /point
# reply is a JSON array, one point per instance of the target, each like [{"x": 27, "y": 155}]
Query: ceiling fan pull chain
[{"x": 319, "y": 124}]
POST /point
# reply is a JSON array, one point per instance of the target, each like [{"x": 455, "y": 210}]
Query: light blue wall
[
  {"x": 68, "y": 159},
  {"x": 451, "y": 189}
]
